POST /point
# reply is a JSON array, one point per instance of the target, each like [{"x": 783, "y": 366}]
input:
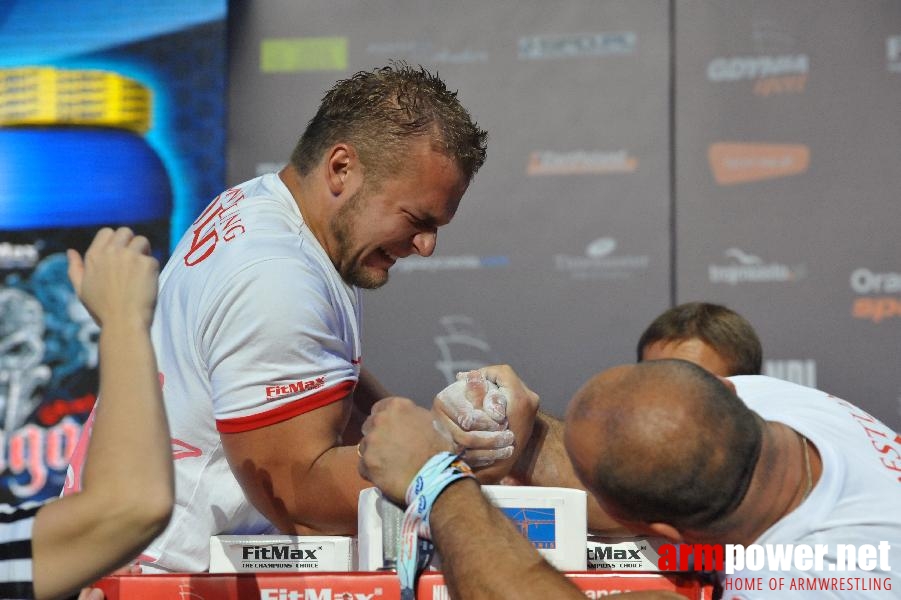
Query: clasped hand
[{"x": 487, "y": 415}]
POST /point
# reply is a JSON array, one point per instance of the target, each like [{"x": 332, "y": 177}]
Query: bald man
[
  {"x": 712, "y": 336},
  {"x": 668, "y": 449}
]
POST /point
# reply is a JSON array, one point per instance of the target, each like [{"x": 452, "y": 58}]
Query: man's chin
[{"x": 368, "y": 279}]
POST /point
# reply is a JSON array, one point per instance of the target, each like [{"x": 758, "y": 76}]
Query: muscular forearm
[
  {"x": 466, "y": 528},
  {"x": 544, "y": 462}
]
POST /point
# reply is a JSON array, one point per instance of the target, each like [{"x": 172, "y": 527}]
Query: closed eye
[{"x": 421, "y": 224}]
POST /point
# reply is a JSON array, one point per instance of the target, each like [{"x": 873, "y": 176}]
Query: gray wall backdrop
[{"x": 641, "y": 154}]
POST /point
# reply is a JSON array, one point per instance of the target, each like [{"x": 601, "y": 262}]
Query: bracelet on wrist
[{"x": 416, "y": 549}]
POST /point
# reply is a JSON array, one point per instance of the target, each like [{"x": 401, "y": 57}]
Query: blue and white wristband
[{"x": 416, "y": 549}]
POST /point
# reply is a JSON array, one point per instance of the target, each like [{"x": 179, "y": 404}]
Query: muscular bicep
[
  {"x": 282, "y": 356},
  {"x": 264, "y": 352},
  {"x": 298, "y": 474},
  {"x": 368, "y": 391}
]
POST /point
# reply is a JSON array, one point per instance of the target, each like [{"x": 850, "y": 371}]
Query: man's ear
[{"x": 341, "y": 163}]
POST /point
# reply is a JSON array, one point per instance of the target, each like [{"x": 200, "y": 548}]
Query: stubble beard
[{"x": 343, "y": 225}]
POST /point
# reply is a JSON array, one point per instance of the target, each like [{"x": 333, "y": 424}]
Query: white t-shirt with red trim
[
  {"x": 253, "y": 326},
  {"x": 856, "y": 501}
]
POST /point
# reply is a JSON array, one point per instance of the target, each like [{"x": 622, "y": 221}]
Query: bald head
[{"x": 663, "y": 441}]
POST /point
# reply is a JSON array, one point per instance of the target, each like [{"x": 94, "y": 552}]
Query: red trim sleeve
[{"x": 286, "y": 411}]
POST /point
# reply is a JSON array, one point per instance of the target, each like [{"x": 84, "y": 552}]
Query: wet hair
[
  {"x": 380, "y": 112},
  {"x": 721, "y": 328},
  {"x": 679, "y": 446}
]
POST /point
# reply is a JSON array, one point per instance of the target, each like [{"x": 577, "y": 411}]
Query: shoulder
[
  {"x": 256, "y": 217},
  {"x": 771, "y": 395}
]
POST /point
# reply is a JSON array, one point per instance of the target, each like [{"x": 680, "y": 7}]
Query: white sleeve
[{"x": 278, "y": 346}]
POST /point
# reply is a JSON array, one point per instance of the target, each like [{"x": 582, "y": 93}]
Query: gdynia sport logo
[{"x": 812, "y": 565}]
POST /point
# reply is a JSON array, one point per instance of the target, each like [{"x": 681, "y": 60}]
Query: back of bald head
[{"x": 663, "y": 441}]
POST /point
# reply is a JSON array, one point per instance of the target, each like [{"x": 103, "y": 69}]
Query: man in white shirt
[
  {"x": 257, "y": 328},
  {"x": 667, "y": 449}
]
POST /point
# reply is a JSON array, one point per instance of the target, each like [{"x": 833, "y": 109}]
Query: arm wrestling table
[{"x": 361, "y": 586}]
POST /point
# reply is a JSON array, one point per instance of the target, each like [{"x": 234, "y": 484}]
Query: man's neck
[
  {"x": 294, "y": 181},
  {"x": 787, "y": 468}
]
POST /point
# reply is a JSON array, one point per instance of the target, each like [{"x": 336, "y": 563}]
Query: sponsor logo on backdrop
[
  {"x": 739, "y": 162},
  {"x": 19, "y": 256},
  {"x": 463, "y": 346},
  {"x": 462, "y": 262},
  {"x": 303, "y": 54},
  {"x": 424, "y": 51},
  {"x": 600, "y": 261},
  {"x": 32, "y": 454},
  {"x": 893, "y": 53},
  {"x": 879, "y": 294},
  {"x": 771, "y": 75},
  {"x": 800, "y": 371},
  {"x": 576, "y": 45},
  {"x": 579, "y": 162},
  {"x": 772, "y": 37},
  {"x": 742, "y": 267}
]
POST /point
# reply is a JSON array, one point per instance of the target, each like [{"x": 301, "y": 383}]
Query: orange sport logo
[
  {"x": 876, "y": 309},
  {"x": 733, "y": 163},
  {"x": 879, "y": 295}
]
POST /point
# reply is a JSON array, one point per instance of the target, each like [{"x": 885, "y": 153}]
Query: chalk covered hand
[{"x": 474, "y": 410}]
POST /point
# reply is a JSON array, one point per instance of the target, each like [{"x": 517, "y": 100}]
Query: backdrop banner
[
  {"x": 111, "y": 114},
  {"x": 641, "y": 154}
]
